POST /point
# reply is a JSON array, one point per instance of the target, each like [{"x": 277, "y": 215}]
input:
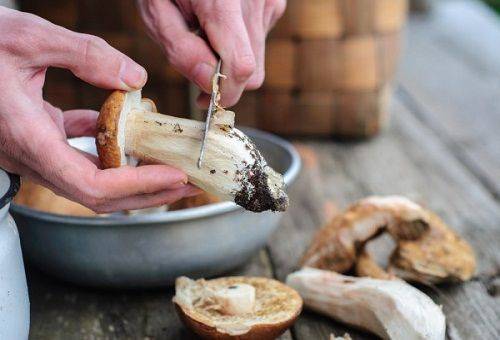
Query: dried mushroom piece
[
  {"x": 427, "y": 250},
  {"x": 390, "y": 309}
]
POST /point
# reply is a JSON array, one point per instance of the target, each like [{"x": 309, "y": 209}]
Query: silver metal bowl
[{"x": 152, "y": 250}]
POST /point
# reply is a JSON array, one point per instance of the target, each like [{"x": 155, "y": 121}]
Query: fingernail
[
  {"x": 202, "y": 74},
  {"x": 133, "y": 75},
  {"x": 180, "y": 184}
]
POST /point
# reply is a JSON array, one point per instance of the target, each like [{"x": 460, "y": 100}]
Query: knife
[{"x": 211, "y": 108}]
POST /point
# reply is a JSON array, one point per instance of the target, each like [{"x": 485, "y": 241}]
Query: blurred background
[{"x": 329, "y": 64}]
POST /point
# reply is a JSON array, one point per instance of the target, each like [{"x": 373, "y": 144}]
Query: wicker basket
[{"x": 329, "y": 65}]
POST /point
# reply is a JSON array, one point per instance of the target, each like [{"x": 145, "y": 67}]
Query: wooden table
[{"x": 442, "y": 149}]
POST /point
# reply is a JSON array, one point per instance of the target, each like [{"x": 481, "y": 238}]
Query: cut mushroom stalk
[
  {"x": 390, "y": 309},
  {"x": 233, "y": 169}
]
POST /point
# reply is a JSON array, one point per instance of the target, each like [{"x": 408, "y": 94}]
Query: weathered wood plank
[
  {"x": 66, "y": 312},
  {"x": 408, "y": 159},
  {"x": 451, "y": 73}
]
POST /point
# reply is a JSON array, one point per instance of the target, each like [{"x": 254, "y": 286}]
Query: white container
[{"x": 14, "y": 301}]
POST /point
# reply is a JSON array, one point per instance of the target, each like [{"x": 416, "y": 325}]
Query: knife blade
[{"x": 211, "y": 108}]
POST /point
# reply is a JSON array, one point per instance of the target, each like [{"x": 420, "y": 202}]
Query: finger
[
  {"x": 78, "y": 123},
  {"x": 150, "y": 200},
  {"x": 273, "y": 10},
  {"x": 127, "y": 181},
  {"x": 185, "y": 50},
  {"x": 90, "y": 58},
  {"x": 81, "y": 180},
  {"x": 257, "y": 34},
  {"x": 224, "y": 25}
]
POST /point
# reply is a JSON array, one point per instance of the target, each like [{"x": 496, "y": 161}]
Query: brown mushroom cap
[
  {"x": 110, "y": 138},
  {"x": 108, "y": 146},
  {"x": 277, "y": 308}
]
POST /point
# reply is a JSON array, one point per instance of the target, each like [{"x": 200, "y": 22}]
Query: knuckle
[
  {"x": 21, "y": 35},
  {"x": 95, "y": 200},
  {"x": 179, "y": 53},
  {"x": 92, "y": 50}
]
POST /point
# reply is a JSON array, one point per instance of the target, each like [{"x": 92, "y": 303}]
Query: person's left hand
[{"x": 235, "y": 29}]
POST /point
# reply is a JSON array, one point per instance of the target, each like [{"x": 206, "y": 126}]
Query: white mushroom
[
  {"x": 392, "y": 309},
  {"x": 233, "y": 169}
]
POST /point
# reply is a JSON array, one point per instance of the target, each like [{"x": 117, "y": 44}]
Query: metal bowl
[{"x": 153, "y": 249}]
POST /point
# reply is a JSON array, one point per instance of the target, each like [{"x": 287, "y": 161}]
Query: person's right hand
[{"x": 33, "y": 133}]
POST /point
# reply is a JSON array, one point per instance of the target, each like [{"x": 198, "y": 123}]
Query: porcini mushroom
[
  {"x": 252, "y": 308},
  {"x": 427, "y": 250},
  {"x": 390, "y": 309},
  {"x": 130, "y": 129}
]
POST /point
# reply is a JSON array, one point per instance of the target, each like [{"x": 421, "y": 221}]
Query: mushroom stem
[
  {"x": 233, "y": 168},
  {"x": 392, "y": 309}
]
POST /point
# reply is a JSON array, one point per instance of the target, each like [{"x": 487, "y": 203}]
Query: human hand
[
  {"x": 236, "y": 30},
  {"x": 33, "y": 133}
]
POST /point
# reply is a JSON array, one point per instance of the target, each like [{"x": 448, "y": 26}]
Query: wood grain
[{"x": 451, "y": 70}]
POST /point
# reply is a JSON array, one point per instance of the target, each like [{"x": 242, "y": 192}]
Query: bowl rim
[{"x": 171, "y": 216}]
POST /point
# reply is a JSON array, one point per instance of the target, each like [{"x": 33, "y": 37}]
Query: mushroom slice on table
[
  {"x": 392, "y": 309},
  {"x": 427, "y": 250},
  {"x": 129, "y": 130},
  {"x": 236, "y": 307}
]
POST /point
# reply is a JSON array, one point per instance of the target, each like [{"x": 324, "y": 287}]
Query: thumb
[{"x": 90, "y": 58}]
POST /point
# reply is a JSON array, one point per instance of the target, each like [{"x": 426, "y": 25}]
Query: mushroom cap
[
  {"x": 277, "y": 306},
  {"x": 110, "y": 138}
]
